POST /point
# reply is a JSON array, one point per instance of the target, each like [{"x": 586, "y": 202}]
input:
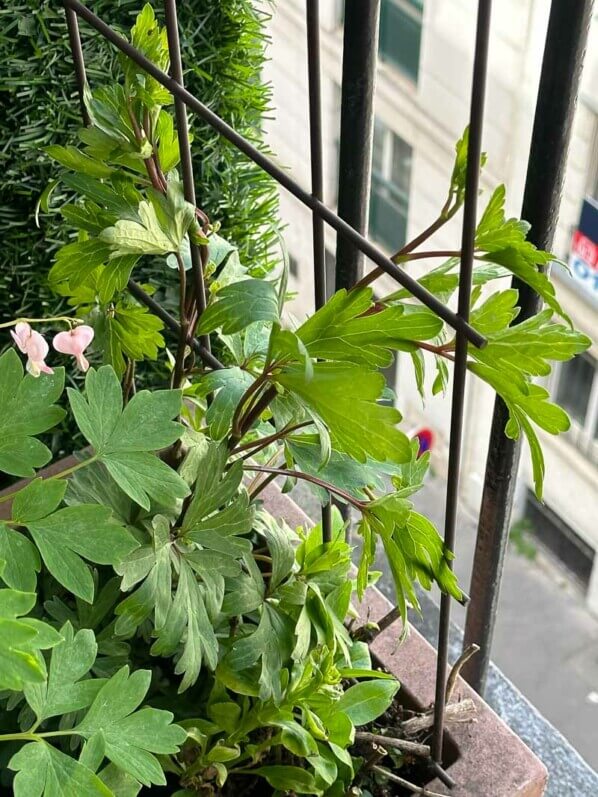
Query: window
[
  {"x": 576, "y": 390},
  {"x": 389, "y": 198},
  {"x": 400, "y": 34},
  {"x": 293, "y": 266}
]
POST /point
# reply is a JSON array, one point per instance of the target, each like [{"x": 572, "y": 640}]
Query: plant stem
[
  {"x": 32, "y": 737},
  {"x": 422, "y": 750},
  {"x": 441, "y": 351},
  {"x": 446, "y": 214},
  {"x": 426, "y": 255},
  {"x": 61, "y": 475},
  {"x": 421, "y": 790},
  {"x": 296, "y": 474},
  {"x": 179, "y": 365},
  {"x": 67, "y": 319},
  {"x": 237, "y": 425},
  {"x": 262, "y": 442}
]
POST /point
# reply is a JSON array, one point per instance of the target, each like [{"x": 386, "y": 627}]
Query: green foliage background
[{"x": 223, "y": 51}]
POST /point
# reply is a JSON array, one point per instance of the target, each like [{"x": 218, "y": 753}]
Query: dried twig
[
  {"x": 421, "y": 790},
  {"x": 464, "y": 711},
  {"x": 404, "y": 745},
  {"x": 456, "y": 669}
]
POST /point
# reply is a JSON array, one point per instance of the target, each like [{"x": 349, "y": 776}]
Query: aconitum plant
[{"x": 157, "y": 624}]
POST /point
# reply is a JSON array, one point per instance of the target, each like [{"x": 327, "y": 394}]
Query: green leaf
[
  {"x": 66, "y": 689},
  {"x": 288, "y": 779},
  {"x": 504, "y": 242},
  {"x": 162, "y": 226},
  {"x": 123, "y": 438},
  {"x": 21, "y": 639},
  {"x": 26, "y": 409},
  {"x": 75, "y": 262},
  {"x": 413, "y": 547},
  {"x": 350, "y": 327},
  {"x": 228, "y": 386},
  {"x": 366, "y": 701},
  {"x": 187, "y": 619},
  {"x": 38, "y": 499},
  {"x": 44, "y": 770},
  {"x": 77, "y": 161},
  {"x": 345, "y": 397},
  {"x": 80, "y": 531},
  {"x": 131, "y": 736},
  {"x": 239, "y": 304}
]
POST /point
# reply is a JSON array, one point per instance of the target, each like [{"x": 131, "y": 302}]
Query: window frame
[
  {"x": 584, "y": 437},
  {"x": 383, "y": 177}
]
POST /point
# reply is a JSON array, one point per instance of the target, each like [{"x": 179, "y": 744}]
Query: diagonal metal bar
[
  {"x": 562, "y": 64},
  {"x": 72, "y": 24},
  {"x": 172, "y": 324},
  {"x": 474, "y": 152},
  {"x": 454, "y": 320},
  {"x": 317, "y": 183},
  {"x": 176, "y": 69}
]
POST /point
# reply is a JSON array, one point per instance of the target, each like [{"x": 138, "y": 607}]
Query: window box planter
[{"x": 487, "y": 758}]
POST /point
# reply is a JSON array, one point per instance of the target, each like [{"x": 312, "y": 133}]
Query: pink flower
[
  {"x": 34, "y": 346},
  {"x": 74, "y": 342}
]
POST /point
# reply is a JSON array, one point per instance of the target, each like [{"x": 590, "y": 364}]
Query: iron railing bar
[
  {"x": 358, "y": 83},
  {"x": 180, "y": 109},
  {"x": 562, "y": 64},
  {"x": 474, "y": 152},
  {"x": 371, "y": 251},
  {"x": 171, "y": 322},
  {"x": 317, "y": 183},
  {"x": 72, "y": 24}
]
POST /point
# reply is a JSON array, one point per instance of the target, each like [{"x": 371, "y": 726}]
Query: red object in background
[
  {"x": 582, "y": 246},
  {"x": 426, "y": 438}
]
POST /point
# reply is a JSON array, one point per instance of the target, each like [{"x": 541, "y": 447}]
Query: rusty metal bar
[
  {"x": 474, "y": 152},
  {"x": 564, "y": 50},
  {"x": 281, "y": 176},
  {"x": 72, "y": 24}
]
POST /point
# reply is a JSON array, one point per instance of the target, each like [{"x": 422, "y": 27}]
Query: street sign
[{"x": 583, "y": 259}]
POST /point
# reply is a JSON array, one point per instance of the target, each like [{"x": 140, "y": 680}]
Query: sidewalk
[{"x": 545, "y": 642}]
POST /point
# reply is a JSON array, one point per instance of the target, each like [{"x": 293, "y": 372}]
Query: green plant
[
  {"x": 157, "y": 622},
  {"x": 223, "y": 38}
]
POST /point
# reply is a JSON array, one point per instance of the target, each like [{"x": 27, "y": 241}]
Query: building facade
[{"x": 421, "y": 108}]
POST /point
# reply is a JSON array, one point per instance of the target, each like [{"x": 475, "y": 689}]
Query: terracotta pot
[{"x": 484, "y": 758}]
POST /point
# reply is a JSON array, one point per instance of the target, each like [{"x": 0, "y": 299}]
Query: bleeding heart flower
[
  {"x": 34, "y": 346},
  {"x": 74, "y": 342}
]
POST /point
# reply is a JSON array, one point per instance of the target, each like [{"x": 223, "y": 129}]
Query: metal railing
[{"x": 565, "y": 44}]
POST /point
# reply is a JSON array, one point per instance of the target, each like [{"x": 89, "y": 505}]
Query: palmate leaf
[
  {"x": 74, "y": 533},
  {"x": 345, "y": 397},
  {"x": 116, "y": 728},
  {"x": 366, "y": 701},
  {"x": 123, "y": 438},
  {"x": 349, "y": 327},
  {"x": 66, "y": 687},
  {"x": 148, "y": 37},
  {"x": 512, "y": 356},
  {"x": 239, "y": 304},
  {"x": 162, "y": 226},
  {"x": 504, "y": 242},
  {"x": 35, "y": 501},
  {"x": 21, "y": 639},
  {"x": 27, "y": 409},
  {"x": 227, "y": 386},
  {"x": 414, "y": 549},
  {"x": 44, "y": 771}
]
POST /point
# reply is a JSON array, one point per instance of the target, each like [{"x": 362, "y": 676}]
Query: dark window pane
[
  {"x": 388, "y": 215},
  {"x": 378, "y": 148},
  {"x": 400, "y": 34},
  {"x": 401, "y": 164},
  {"x": 575, "y": 384}
]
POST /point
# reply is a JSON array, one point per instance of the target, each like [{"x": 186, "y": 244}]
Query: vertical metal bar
[
  {"x": 474, "y": 151},
  {"x": 317, "y": 182},
  {"x": 176, "y": 71},
  {"x": 360, "y": 51},
  {"x": 72, "y": 24},
  {"x": 562, "y": 63}
]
